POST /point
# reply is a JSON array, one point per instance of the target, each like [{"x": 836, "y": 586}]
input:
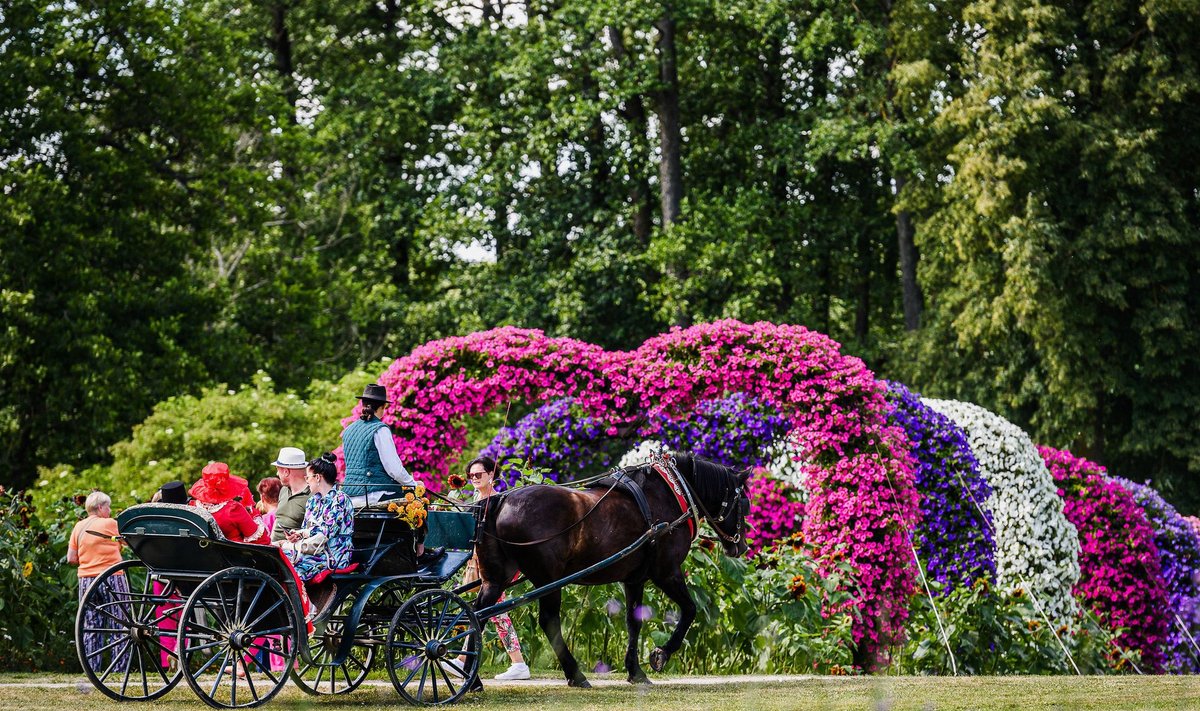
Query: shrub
[
  {"x": 998, "y": 631},
  {"x": 38, "y": 590}
]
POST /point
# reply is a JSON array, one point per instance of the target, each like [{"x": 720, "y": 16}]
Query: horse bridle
[{"x": 728, "y": 504}]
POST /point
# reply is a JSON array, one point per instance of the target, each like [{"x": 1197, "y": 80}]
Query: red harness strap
[{"x": 676, "y": 488}]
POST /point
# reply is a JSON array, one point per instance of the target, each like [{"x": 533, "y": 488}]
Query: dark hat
[
  {"x": 375, "y": 392},
  {"x": 174, "y": 492}
]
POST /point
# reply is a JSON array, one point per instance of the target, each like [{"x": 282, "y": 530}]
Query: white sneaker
[
  {"x": 516, "y": 672},
  {"x": 453, "y": 672}
]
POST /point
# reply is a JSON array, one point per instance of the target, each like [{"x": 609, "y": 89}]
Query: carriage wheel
[
  {"x": 131, "y": 633},
  {"x": 224, "y": 633},
  {"x": 317, "y": 674},
  {"x": 428, "y": 635}
]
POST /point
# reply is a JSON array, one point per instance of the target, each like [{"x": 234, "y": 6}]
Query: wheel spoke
[
  {"x": 250, "y": 679},
  {"x": 268, "y": 611},
  {"x": 220, "y": 674},
  {"x": 257, "y": 596},
  {"x": 237, "y": 601},
  {"x": 142, "y": 670}
]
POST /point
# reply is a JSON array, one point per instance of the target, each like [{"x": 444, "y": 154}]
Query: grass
[{"x": 1113, "y": 693}]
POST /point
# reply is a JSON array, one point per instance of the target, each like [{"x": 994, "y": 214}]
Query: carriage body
[{"x": 229, "y": 618}]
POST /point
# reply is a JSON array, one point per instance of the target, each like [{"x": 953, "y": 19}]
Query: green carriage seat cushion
[{"x": 454, "y": 530}]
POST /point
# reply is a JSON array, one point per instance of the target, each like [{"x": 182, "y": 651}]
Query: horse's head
[
  {"x": 724, "y": 499},
  {"x": 733, "y": 527}
]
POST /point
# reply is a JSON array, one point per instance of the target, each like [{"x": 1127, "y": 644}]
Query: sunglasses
[{"x": 476, "y": 475}]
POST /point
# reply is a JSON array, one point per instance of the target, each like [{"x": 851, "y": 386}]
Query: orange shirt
[{"x": 96, "y": 554}]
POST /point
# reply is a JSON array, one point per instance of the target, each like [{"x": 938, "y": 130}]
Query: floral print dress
[{"x": 332, "y": 515}]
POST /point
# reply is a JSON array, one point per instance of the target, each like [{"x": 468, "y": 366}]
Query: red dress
[{"x": 236, "y": 522}]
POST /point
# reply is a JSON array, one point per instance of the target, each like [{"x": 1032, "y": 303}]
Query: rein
[{"x": 540, "y": 541}]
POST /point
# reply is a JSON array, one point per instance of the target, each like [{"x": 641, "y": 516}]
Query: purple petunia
[{"x": 954, "y": 538}]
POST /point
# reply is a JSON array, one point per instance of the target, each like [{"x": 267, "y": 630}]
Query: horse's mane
[{"x": 709, "y": 478}]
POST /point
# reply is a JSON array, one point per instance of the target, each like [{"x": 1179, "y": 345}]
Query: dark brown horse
[{"x": 550, "y": 532}]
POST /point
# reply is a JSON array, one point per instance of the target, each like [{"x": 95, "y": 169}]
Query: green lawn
[{"x": 821, "y": 693}]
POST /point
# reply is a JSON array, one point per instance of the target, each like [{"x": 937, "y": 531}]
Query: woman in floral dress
[{"x": 324, "y": 540}]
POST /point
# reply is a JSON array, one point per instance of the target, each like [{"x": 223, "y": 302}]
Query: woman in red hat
[{"x": 228, "y": 499}]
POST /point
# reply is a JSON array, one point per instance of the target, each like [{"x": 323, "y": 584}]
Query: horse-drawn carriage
[{"x": 230, "y": 618}]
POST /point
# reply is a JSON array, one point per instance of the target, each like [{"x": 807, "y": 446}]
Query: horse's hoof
[
  {"x": 579, "y": 683},
  {"x": 658, "y": 659},
  {"x": 640, "y": 679}
]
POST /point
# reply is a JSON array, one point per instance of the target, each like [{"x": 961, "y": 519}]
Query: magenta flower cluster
[
  {"x": 857, "y": 466},
  {"x": 775, "y": 513},
  {"x": 1120, "y": 577}
]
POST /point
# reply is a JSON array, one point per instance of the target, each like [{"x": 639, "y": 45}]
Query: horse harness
[{"x": 691, "y": 507}]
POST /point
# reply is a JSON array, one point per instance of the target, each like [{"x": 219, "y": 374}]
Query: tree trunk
[
  {"x": 634, "y": 111},
  {"x": 670, "y": 170},
  {"x": 669, "y": 133},
  {"x": 862, "y": 313},
  {"x": 911, "y": 289},
  {"x": 281, "y": 46}
]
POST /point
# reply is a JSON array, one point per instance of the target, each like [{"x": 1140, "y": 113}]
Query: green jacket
[{"x": 290, "y": 514}]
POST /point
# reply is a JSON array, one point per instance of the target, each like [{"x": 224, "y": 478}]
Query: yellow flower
[
  {"x": 409, "y": 497},
  {"x": 27, "y": 570},
  {"x": 420, "y": 491}
]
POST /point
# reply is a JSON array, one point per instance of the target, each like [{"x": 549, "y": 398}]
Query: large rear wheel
[{"x": 224, "y": 638}]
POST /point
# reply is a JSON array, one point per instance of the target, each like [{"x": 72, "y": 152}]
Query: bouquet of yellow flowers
[{"x": 412, "y": 508}]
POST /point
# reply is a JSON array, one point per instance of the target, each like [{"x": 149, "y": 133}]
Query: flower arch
[
  {"x": 1120, "y": 577},
  {"x": 858, "y": 467},
  {"x": 1036, "y": 547}
]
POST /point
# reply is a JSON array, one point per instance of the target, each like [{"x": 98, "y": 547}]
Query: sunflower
[
  {"x": 456, "y": 481},
  {"x": 27, "y": 569}
]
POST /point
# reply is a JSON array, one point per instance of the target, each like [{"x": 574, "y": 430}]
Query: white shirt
[{"x": 386, "y": 446}]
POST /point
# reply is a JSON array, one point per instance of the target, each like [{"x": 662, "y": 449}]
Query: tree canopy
[{"x": 990, "y": 200}]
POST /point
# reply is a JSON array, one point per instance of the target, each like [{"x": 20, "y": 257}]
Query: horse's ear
[{"x": 745, "y": 475}]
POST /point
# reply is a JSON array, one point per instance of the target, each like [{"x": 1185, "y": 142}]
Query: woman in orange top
[
  {"x": 228, "y": 499},
  {"x": 94, "y": 554}
]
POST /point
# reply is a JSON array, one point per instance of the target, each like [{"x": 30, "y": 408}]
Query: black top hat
[
  {"x": 174, "y": 492},
  {"x": 375, "y": 392}
]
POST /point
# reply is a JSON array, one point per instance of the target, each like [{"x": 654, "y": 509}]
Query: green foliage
[
  {"x": 1000, "y": 632},
  {"x": 37, "y": 587},
  {"x": 773, "y": 617},
  {"x": 244, "y": 428}
]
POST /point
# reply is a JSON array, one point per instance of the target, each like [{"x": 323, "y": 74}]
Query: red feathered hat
[{"x": 217, "y": 485}]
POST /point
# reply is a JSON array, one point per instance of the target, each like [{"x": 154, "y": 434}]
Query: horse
[{"x": 550, "y": 532}]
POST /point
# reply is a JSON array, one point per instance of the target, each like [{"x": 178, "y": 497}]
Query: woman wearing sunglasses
[{"x": 481, "y": 474}]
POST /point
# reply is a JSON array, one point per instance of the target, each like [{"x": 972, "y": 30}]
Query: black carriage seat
[
  {"x": 185, "y": 542},
  {"x": 383, "y": 544}
]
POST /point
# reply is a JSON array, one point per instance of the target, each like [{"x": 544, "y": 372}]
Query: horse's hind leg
[
  {"x": 549, "y": 618},
  {"x": 676, "y": 589},
  {"x": 633, "y": 625}
]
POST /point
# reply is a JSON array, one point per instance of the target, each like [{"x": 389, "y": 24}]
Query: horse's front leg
[
  {"x": 633, "y": 625},
  {"x": 549, "y": 609},
  {"x": 677, "y": 590}
]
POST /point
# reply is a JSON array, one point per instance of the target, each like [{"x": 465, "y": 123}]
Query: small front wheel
[{"x": 433, "y": 648}]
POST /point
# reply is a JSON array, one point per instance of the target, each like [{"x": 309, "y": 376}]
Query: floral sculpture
[
  {"x": 1036, "y": 547},
  {"x": 1179, "y": 560},
  {"x": 1119, "y": 579},
  {"x": 954, "y": 540},
  {"x": 857, "y": 466}
]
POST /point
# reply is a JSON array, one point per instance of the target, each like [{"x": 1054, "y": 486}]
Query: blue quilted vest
[{"x": 364, "y": 470}]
